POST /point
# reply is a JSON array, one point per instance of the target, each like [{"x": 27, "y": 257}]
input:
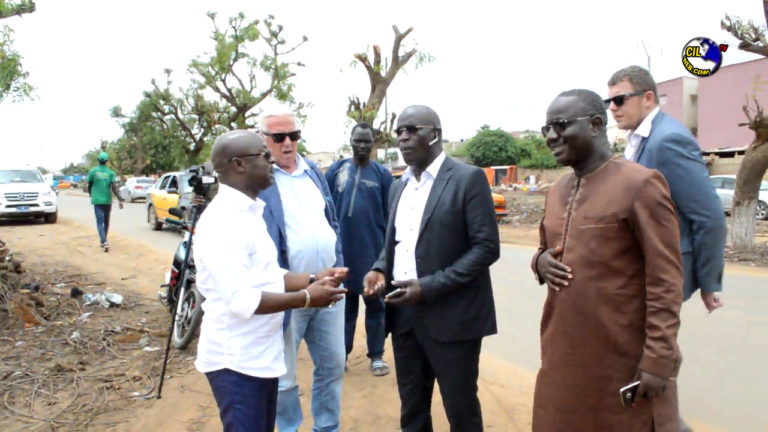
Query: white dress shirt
[
  {"x": 410, "y": 210},
  {"x": 236, "y": 261},
  {"x": 637, "y": 135},
  {"x": 311, "y": 240}
]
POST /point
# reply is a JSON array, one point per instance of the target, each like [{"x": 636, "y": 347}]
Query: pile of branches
[{"x": 65, "y": 365}]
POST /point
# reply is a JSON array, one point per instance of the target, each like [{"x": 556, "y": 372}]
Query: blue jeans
[
  {"x": 323, "y": 331},
  {"x": 102, "y": 220},
  {"x": 374, "y": 323},
  {"x": 246, "y": 403}
]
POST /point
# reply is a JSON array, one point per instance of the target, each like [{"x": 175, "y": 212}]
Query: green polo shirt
[{"x": 101, "y": 177}]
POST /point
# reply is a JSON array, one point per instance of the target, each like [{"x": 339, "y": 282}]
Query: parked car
[
  {"x": 170, "y": 190},
  {"x": 136, "y": 188},
  {"x": 24, "y": 193},
  {"x": 725, "y": 186}
]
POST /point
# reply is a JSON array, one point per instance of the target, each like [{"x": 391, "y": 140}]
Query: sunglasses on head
[
  {"x": 279, "y": 137},
  {"x": 560, "y": 125},
  {"x": 411, "y": 129},
  {"x": 267, "y": 155},
  {"x": 618, "y": 100}
]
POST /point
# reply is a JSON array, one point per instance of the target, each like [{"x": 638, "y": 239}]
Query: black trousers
[{"x": 419, "y": 360}]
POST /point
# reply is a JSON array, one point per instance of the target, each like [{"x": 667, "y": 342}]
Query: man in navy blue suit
[{"x": 658, "y": 141}]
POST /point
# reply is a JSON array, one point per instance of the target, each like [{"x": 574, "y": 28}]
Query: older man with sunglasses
[
  {"x": 301, "y": 220},
  {"x": 658, "y": 141}
]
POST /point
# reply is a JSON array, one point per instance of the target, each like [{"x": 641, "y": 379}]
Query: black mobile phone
[{"x": 628, "y": 392}]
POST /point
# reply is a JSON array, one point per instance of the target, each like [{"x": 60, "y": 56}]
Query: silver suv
[{"x": 25, "y": 194}]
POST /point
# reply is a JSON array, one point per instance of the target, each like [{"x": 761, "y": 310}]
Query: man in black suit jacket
[{"x": 441, "y": 240}]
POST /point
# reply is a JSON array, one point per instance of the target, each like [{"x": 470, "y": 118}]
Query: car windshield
[
  {"x": 20, "y": 176},
  {"x": 145, "y": 181}
]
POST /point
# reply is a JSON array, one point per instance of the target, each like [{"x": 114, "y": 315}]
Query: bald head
[
  {"x": 232, "y": 144},
  {"x": 424, "y": 115}
]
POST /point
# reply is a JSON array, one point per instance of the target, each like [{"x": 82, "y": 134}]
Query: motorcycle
[{"x": 181, "y": 296}]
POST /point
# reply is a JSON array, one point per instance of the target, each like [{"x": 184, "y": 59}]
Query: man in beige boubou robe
[{"x": 610, "y": 256}]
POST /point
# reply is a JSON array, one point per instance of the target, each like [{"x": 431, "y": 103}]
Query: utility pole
[{"x": 647, "y": 56}]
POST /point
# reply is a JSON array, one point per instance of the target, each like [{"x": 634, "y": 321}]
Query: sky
[{"x": 495, "y": 62}]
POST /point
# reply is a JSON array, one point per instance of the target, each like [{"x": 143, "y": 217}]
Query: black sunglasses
[
  {"x": 278, "y": 137},
  {"x": 560, "y": 125},
  {"x": 619, "y": 99},
  {"x": 411, "y": 129},
  {"x": 267, "y": 155}
]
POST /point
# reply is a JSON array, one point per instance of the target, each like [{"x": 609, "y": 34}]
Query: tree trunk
[{"x": 748, "y": 179}]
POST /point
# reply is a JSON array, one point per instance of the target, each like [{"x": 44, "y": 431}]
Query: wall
[
  {"x": 671, "y": 97},
  {"x": 542, "y": 175},
  {"x": 721, "y": 98}
]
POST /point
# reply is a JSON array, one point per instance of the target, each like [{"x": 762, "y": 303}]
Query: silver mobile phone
[
  {"x": 396, "y": 293},
  {"x": 628, "y": 393}
]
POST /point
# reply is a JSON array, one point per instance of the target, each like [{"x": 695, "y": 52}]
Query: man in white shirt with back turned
[{"x": 241, "y": 343}]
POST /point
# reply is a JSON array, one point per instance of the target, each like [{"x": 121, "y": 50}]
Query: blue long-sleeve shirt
[{"x": 360, "y": 197}]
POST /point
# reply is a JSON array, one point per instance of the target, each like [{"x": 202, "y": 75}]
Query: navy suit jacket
[
  {"x": 672, "y": 149},
  {"x": 275, "y": 218}
]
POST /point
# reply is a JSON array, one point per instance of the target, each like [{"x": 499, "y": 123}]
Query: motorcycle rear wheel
[{"x": 188, "y": 316}]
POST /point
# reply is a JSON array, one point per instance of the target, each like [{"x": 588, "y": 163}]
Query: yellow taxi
[{"x": 167, "y": 192}]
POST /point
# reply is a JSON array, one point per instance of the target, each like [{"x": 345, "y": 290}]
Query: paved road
[{"x": 722, "y": 377}]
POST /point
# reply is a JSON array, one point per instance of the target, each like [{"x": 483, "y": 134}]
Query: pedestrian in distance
[{"x": 101, "y": 186}]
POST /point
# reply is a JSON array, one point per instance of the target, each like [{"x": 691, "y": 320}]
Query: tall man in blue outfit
[
  {"x": 360, "y": 188},
  {"x": 302, "y": 222},
  {"x": 658, "y": 141}
]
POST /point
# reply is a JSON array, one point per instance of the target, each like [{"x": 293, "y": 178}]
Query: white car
[
  {"x": 725, "y": 185},
  {"x": 25, "y": 194},
  {"x": 135, "y": 188}
]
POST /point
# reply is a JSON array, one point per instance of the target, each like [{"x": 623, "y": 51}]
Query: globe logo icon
[{"x": 702, "y": 57}]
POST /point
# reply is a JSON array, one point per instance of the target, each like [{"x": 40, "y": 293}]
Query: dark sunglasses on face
[
  {"x": 267, "y": 155},
  {"x": 278, "y": 137},
  {"x": 560, "y": 125},
  {"x": 618, "y": 100},
  {"x": 411, "y": 129}
]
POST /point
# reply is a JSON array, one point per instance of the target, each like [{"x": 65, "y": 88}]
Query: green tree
[
  {"x": 173, "y": 128},
  {"x": 491, "y": 147},
  {"x": 12, "y": 75},
  {"x": 753, "y": 38},
  {"x": 539, "y": 155}
]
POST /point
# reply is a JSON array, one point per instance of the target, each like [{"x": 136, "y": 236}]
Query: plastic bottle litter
[{"x": 105, "y": 299}]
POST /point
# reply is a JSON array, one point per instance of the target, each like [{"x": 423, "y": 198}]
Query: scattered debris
[{"x": 62, "y": 368}]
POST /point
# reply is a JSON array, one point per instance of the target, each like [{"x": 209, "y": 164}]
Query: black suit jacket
[{"x": 458, "y": 241}]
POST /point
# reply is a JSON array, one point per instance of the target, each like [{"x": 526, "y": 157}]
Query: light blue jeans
[{"x": 323, "y": 331}]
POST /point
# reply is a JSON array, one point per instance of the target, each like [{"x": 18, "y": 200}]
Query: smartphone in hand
[{"x": 628, "y": 393}]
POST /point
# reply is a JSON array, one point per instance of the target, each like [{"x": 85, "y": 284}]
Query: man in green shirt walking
[{"x": 101, "y": 181}]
